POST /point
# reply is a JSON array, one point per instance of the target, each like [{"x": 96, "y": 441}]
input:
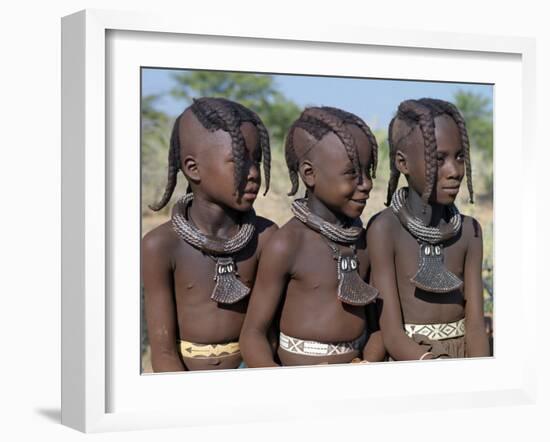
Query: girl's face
[
  {"x": 450, "y": 161},
  {"x": 209, "y": 164},
  {"x": 336, "y": 181},
  {"x": 218, "y": 170}
]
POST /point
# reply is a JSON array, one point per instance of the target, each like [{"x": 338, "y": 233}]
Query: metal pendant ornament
[
  {"x": 352, "y": 289},
  {"x": 432, "y": 275},
  {"x": 228, "y": 289}
]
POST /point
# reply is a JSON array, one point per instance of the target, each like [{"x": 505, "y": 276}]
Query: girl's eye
[{"x": 460, "y": 156}]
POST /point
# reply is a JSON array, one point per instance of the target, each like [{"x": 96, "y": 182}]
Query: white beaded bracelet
[{"x": 426, "y": 354}]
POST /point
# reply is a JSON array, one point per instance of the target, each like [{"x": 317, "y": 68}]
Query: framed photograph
[{"x": 106, "y": 56}]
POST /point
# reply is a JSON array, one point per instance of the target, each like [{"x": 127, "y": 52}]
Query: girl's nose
[
  {"x": 253, "y": 170},
  {"x": 454, "y": 169},
  {"x": 365, "y": 183}
]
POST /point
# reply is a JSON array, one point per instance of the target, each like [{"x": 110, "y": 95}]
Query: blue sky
[{"x": 373, "y": 100}]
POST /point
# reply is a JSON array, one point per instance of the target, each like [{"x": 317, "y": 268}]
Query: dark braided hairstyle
[
  {"x": 214, "y": 114},
  {"x": 318, "y": 121},
  {"x": 422, "y": 113}
]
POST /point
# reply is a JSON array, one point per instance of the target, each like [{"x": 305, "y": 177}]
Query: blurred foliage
[
  {"x": 477, "y": 111},
  {"x": 478, "y": 114},
  {"x": 156, "y": 127}
]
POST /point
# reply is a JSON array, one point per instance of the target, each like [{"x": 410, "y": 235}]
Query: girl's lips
[
  {"x": 250, "y": 196},
  {"x": 361, "y": 202},
  {"x": 451, "y": 190}
]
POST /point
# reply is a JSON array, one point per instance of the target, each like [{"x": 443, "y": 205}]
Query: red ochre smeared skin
[
  {"x": 297, "y": 274},
  {"x": 394, "y": 252},
  {"x": 178, "y": 279}
]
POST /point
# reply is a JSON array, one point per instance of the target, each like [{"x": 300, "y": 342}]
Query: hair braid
[
  {"x": 427, "y": 126},
  {"x": 417, "y": 112},
  {"x": 173, "y": 167},
  {"x": 349, "y": 118},
  {"x": 317, "y": 121},
  {"x": 422, "y": 112},
  {"x": 291, "y": 159},
  {"x": 265, "y": 153},
  {"x": 451, "y": 110},
  {"x": 394, "y": 171},
  {"x": 246, "y": 114},
  {"x": 214, "y": 114},
  {"x": 336, "y": 125},
  {"x": 232, "y": 124}
]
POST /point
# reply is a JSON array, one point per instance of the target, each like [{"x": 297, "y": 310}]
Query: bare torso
[
  {"x": 419, "y": 306},
  {"x": 201, "y": 320},
  {"x": 311, "y": 309}
]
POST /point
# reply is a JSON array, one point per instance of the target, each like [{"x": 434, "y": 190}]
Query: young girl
[
  {"x": 312, "y": 272},
  {"x": 425, "y": 256},
  {"x": 198, "y": 268}
]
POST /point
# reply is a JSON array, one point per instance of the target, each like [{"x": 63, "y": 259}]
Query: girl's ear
[
  {"x": 401, "y": 162},
  {"x": 307, "y": 173},
  {"x": 190, "y": 168}
]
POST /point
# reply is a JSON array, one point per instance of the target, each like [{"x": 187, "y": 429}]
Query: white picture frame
[{"x": 100, "y": 254}]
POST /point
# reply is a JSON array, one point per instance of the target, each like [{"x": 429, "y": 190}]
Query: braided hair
[
  {"x": 214, "y": 114},
  {"x": 318, "y": 121},
  {"x": 422, "y": 113}
]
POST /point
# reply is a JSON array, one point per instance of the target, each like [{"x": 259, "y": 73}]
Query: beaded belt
[
  {"x": 314, "y": 348},
  {"x": 192, "y": 350},
  {"x": 437, "y": 332}
]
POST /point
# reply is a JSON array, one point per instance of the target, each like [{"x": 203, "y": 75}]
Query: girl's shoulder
[
  {"x": 289, "y": 235},
  {"x": 160, "y": 241},
  {"x": 383, "y": 223},
  {"x": 265, "y": 229},
  {"x": 471, "y": 228}
]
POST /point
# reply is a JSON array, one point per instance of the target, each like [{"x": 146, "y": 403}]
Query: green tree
[
  {"x": 478, "y": 114},
  {"x": 258, "y": 92}
]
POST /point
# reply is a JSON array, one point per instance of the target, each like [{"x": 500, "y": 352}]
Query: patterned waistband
[
  {"x": 192, "y": 350},
  {"x": 437, "y": 332},
  {"x": 314, "y": 348}
]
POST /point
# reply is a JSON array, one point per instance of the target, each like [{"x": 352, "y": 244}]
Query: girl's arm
[
  {"x": 160, "y": 307},
  {"x": 477, "y": 343},
  {"x": 374, "y": 350},
  {"x": 270, "y": 283}
]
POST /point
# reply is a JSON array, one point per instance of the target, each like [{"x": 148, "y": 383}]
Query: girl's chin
[
  {"x": 355, "y": 210},
  {"x": 446, "y": 200},
  {"x": 244, "y": 204}
]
